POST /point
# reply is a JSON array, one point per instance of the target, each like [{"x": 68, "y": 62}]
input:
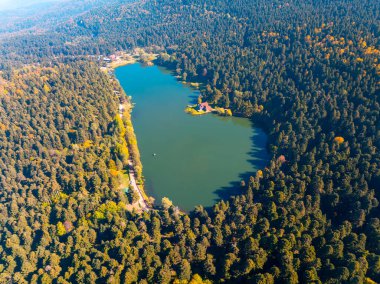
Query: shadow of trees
[{"x": 259, "y": 157}]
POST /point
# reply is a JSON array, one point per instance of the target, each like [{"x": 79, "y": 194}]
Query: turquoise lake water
[{"x": 199, "y": 159}]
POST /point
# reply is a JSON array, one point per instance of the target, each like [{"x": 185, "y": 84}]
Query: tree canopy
[{"x": 305, "y": 71}]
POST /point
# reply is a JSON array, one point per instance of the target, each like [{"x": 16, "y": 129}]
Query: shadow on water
[
  {"x": 259, "y": 155},
  {"x": 259, "y": 158},
  {"x": 251, "y": 157},
  {"x": 193, "y": 99}
]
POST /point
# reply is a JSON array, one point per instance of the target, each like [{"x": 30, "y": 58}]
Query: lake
[{"x": 199, "y": 159}]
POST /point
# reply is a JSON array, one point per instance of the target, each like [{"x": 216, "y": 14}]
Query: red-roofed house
[
  {"x": 281, "y": 159},
  {"x": 205, "y": 107},
  {"x": 68, "y": 226}
]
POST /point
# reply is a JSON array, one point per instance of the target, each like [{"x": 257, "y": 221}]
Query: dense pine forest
[{"x": 307, "y": 72}]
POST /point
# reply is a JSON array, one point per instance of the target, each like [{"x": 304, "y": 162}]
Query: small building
[
  {"x": 281, "y": 159},
  {"x": 68, "y": 226},
  {"x": 205, "y": 107}
]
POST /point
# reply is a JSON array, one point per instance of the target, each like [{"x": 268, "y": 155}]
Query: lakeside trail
[
  {"x": 136, "y": 188},
  {"x": 122, "y": 107},
  {"x": 133, "y": 184}
]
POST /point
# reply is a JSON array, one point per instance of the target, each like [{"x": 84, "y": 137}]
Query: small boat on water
[{"x": 154, "y": 154}]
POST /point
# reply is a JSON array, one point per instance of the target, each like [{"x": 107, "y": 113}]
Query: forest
[{"x": 308, "y": 72}]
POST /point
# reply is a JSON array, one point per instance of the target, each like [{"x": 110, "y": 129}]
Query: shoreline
[
  {"x": 144, "y": 198},
  {"x": 134, "y": 162},
  {"x": 123, "y": 59},
  {"x": 116, "y": 64},
  {"x": 134, "y": 167}
]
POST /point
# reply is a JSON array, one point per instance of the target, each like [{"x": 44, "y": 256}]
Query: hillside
[{"x": 306, "y": 71}]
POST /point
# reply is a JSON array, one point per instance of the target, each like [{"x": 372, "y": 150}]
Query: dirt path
[
  {"x": 133, "y": 184},
  {"x": 136, "y": 188}
]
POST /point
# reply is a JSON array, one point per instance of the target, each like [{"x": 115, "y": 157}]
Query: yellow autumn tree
[
  {"x": 120, "y": 125},
  {"x": 87, "y": 144},
  {"x": 46, "y": 88},
  {"x": 259, "y": 174},
  {"x": 369, "y": 281},
  {"x": 60, "y": 229},
  {"x": 112, "y": 165},
  {"x": 166, "y": 203},
  {"x": 122, "y": 151},
  {"x": 109, "y": 207}
]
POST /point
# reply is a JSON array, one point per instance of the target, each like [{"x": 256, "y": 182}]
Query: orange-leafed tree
[{"x": 339, "y": 139}]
